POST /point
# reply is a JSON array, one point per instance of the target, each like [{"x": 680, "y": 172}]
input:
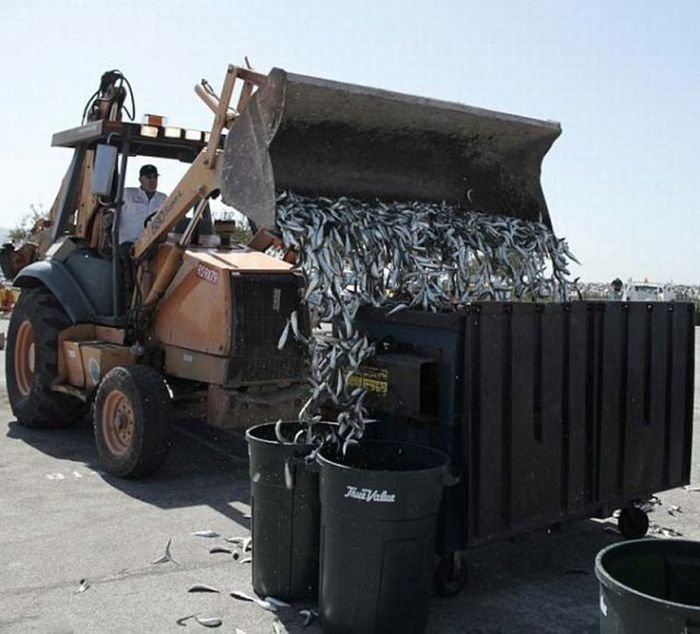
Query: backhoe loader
[{"x": 179, "y": 326}]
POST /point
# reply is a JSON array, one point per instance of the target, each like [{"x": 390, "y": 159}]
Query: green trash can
[
  {"x": 649, "y": 586},
  {"x": 285, "y": 510},
  {"x": 379, "y": 508}
]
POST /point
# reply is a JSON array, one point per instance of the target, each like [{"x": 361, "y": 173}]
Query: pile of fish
[{"x": 427, "y": 256}]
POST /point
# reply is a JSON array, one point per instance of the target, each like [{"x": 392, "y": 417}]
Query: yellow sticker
[{"x": 375, "y": 380}]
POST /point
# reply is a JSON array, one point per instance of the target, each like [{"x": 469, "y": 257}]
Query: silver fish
[
  {"x": 202, "y": 587},
  {"x": 237, "y": 594},
  {"x": 167, "y": 556},
  {"x": 84, "y": 585},
  {"x": 283, "y": 337},
  {"x": 235, "y": 540},
  {"x": 427, "y": 256},
  {"x": 288, "y": 476},
  {"x": 278, "y": 432},
  {"x": 309, "y": 616},
  {"x": 183, "y": 619},
  {"x": 277, "y": 602},
  {"x": 207, "y": 533},
  {"x": 294, "y": 322}
]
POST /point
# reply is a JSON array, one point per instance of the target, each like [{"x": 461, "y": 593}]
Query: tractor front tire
[
  {"x": 132, "y": 421},
  {"x": 31, "y": 362}
]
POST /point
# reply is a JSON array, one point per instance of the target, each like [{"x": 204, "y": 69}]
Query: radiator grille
[{"x": 261, "y": 305}]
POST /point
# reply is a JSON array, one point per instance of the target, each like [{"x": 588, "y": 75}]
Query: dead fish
[
  {"x": 277, "y": 602},
  {"x": 208, "y": 621},
  {"x": 247, "y": 544},
  {"x": 235, "y": 540},
  {"x": 396, "y": 309},
  {"x": 309, "y": 616},
  {"x": 288, "y": 476},
  {"x": 237, "y": 594},
  {"x": 278, "y": 432},
  {"x": 277, "y": 626},
  {"x": 84, "y": 585},
  {"x": 669, "y": 532},
  {"x": 205, "y": 534},
  {"x": 167, "y": 556},
  {"x": 247, "y": 560},
  {"x": 202, "y": 587},
  {"x": 220, "y": 549},
  {"x": 412, "y": 254},
  {"x": 182, "y": 619},
  {"x": 294, "y": 321},
  {"x": 283, "y": 337}
]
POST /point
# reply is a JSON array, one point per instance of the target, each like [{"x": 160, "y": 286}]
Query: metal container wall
[{"x": 572, "y": 410}]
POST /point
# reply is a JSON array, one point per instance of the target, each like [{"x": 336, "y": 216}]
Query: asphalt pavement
[{"x": 77, "y": 546}]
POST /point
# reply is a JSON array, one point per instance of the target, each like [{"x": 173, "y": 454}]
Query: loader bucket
[{"x": 324, "y": 138}]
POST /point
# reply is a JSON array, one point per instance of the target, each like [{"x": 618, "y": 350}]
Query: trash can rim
[
  {"x": 250, "y": 435},
  {"x": 444, "y": 458},
  {"x": 618, "y": 587}
]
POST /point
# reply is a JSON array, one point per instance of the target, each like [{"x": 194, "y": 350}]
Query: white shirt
[{"x": 135, "y": 210}]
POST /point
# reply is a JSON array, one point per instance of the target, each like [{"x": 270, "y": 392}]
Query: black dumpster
[
  {"x": 379, "y": 507},
  {"x": 551, "y": 411},
  {"x": 649, "y": 586}
]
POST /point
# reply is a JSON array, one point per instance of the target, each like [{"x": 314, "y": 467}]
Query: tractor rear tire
[
  {"x": 132, "y": 421},
  {"x": 31, "y": 362}
]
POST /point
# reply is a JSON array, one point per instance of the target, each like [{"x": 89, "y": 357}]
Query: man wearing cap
[{"x": 139, "y": 204}]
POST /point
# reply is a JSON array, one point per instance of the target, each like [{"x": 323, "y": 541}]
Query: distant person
[
  {"x": 615, "y": 291},
  {"x": 139, "y": 204}
]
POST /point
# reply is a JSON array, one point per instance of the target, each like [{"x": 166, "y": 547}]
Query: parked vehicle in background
[{"x": 647, "y": 292}]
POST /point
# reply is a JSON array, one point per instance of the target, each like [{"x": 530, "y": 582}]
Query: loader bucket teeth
[{"x": 325, "y": 138}]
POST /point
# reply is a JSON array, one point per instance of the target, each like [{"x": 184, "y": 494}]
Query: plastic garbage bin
[
  {"x": 379, "y": 508},
  {"x": 649, "y": 586}
]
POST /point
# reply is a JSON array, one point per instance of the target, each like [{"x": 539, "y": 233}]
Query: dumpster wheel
[
  {"x": 633, "y": 523},
  {"x": 450, "y": 575}
]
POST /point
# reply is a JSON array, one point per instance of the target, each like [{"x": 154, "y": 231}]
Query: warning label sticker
[{"x": 375, "y": 380}]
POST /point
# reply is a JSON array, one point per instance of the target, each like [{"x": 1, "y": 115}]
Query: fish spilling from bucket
[{"x": 409, "y": 255}]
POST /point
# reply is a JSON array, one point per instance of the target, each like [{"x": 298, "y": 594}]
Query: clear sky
[{"x": 622, "y": 77}]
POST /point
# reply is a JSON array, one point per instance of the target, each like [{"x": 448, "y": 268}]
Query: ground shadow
[
  {"x": 206, "y": 466},
  {"x": 544, "y": 583}
]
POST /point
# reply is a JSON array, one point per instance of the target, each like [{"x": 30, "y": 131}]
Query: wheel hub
[
  {"x": 25, "y": 361},
  {"x": 118, "y": 422}
]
